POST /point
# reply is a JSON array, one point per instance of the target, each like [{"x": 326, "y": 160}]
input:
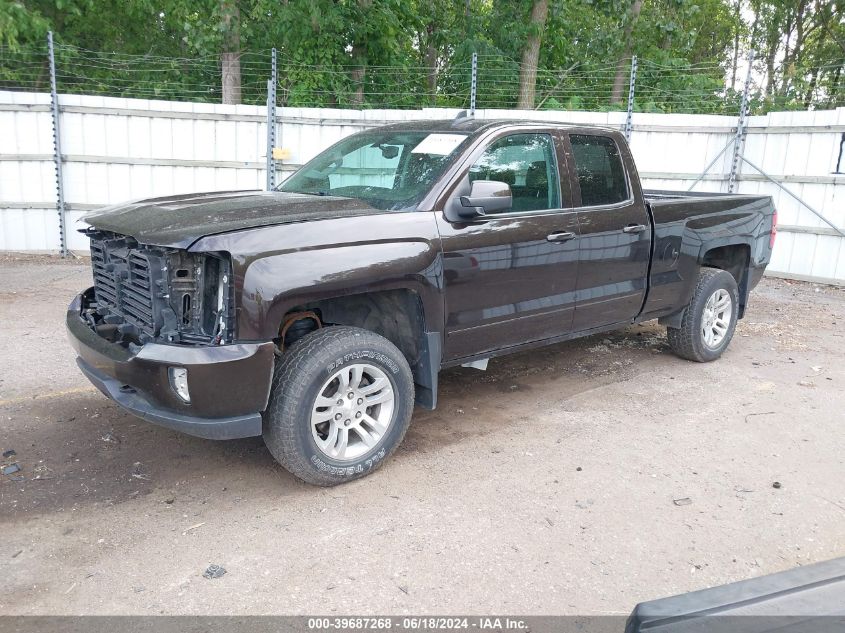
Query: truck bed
[
  {"x": 745, "y": 213},
  {"x": 666, "y": 195},
  {"x": 687, "y": 224}
]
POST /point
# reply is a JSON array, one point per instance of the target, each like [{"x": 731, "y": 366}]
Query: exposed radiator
[{"x": 125, "y": 278}]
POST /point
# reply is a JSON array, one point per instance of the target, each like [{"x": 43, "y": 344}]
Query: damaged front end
[
  {"x": 147, "y": 293},
  {"x": 155, "y": 334}
]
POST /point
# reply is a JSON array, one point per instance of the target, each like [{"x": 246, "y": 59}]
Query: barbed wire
[{"x": 661, "y": 85}]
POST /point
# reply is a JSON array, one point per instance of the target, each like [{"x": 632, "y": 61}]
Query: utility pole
[
  {"x": 57, "y": 148},
  {"x": 631, "y": 85},
  {"x": 271, "y": 123},
  {"x": 739, "y": 138},
  {"x": 474, "y": 83}
]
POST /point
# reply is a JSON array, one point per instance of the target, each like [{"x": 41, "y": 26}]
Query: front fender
[
  {"x": 280, "y": 267},
  {"x": 275, "y": 285}
]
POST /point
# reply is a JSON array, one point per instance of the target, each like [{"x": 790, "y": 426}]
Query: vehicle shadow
[
  {"x": 81, "y": 450},
  {"x": 473, "y": 403}
]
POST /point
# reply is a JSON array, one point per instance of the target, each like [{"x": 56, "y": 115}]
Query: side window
[
  {"x": 527, "y": 163},
  {"x": 599, "y": 168}
]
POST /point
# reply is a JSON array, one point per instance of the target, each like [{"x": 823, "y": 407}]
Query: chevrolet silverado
[{"x": 318, "y": 314}]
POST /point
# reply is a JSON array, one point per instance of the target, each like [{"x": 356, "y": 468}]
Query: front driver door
[{"x": 510, "y": 276}]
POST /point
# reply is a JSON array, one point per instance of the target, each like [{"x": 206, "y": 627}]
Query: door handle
[
  {"x": 634, "y": 228},
  {"x": 560, "y": 236}
]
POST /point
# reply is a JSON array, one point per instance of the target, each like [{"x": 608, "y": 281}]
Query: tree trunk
[
  {"x": 770, "y": 69},
  {"x": 531, "y": 55},
  {"x": 431, "y": 60},
  {"x": 792, "y": 56},
  {"x": 820, "y": 42},
  {"x": 357, "y": 74},
  {"x": 627, "y": 50},
  {"x": 359, "y": 55},
  {"x": 230, "y": 58}
]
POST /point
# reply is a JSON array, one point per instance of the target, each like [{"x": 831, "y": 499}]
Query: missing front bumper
[{"x": 229, "y": 384}]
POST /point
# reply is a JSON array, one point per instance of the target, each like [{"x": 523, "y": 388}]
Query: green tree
[
  {"x": 410, "y": 53},
  {"x": 19, "y": 24}
]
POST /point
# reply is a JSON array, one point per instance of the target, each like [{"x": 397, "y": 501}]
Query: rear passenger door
[{"x": 615, "y": 231}]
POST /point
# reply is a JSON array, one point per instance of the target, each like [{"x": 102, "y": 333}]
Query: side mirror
[{"x": 486, "y": 196}]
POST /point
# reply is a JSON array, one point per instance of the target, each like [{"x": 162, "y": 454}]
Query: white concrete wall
[{"x": 122, "y": 149}]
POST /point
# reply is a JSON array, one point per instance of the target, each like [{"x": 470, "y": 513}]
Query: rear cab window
[{"x": 599, "y": 169}]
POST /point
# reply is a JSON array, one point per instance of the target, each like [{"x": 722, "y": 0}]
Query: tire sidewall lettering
[
  {"x": 348, "y": 471},
  {"x": 364, "y": 354}
]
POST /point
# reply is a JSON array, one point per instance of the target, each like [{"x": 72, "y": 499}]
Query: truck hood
[{"x": 179, "y": 221}]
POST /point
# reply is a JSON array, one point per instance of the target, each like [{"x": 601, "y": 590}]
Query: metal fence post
[
  {"x": 739, "y": 138},
  {"x": 473, "y": 84},
  {"x": 57, "y": 148},
  {"x": 271, "y": 123},
  {"x": 631, "y": 85}
]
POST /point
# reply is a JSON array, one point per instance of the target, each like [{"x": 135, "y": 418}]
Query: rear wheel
[
  {"x": 341, "y": 401},
  {"x": 710, "y": 319}
]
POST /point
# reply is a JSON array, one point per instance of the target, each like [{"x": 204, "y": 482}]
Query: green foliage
[
  {"x": 416, "y": 53},
  {"x": 17, "y": 24},
  {"x": 802, "y": 46}
]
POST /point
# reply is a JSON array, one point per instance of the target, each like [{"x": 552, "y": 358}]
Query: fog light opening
[{"x": 179, "y": 382}]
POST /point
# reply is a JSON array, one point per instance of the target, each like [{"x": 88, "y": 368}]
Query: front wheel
[
  {"x": 340, "y": 403},
  {"x": 710, "y": 319}
]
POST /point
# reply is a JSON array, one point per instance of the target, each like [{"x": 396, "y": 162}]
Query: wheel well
[
  {"x": 734, "y": 259},
  {"x": 397, "y": 315}
]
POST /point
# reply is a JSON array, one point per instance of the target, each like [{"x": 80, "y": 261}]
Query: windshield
[{"x": 388, "y": 170}]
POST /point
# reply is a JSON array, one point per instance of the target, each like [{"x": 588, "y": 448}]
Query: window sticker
[{"x": 439, "y": 144}]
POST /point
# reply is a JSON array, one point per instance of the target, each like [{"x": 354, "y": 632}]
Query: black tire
[
  {"x": 300, "y": 373},
  {"x": 688, "y": 341}
]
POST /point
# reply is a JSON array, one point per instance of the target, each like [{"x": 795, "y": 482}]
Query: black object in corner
[{"x": 809, "y": 599}]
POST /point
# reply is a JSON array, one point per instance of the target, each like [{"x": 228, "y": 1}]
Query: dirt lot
[{"x": 545, "y": 485}]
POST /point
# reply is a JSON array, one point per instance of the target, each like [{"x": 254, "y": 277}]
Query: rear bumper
[{"x": 229, "y": 384}]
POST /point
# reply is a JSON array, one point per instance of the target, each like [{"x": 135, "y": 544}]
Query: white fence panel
[
  {"x": 122, "y": 149},
  {"x": 26, "y": 174}
]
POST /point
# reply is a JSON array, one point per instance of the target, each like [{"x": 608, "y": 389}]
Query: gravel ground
[{"x": 554, "y": 483}]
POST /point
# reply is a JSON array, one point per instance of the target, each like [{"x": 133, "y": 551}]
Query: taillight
[{"x": 774, "y": 232}]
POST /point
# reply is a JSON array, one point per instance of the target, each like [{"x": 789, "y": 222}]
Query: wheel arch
[
  {"x": 397, "y": 314},
  {"x": 734, "y": 258}
]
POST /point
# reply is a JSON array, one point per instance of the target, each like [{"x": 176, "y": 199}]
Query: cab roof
[{"x": 471, "y": 125}]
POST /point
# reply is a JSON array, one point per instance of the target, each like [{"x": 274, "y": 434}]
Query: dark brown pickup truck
[{"x": 318, "y": 314}]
